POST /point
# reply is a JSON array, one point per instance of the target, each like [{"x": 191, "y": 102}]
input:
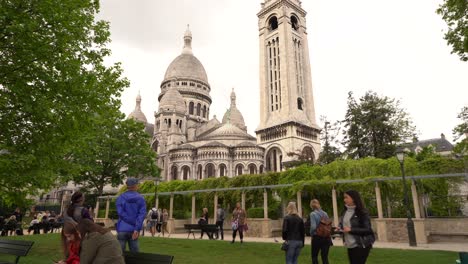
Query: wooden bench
[
  {"x": 147, "y": 258},
  {"x": 17, "y": 248},
  {"x": 210, "y": 229},
  {"x": 457, "y": 235}
]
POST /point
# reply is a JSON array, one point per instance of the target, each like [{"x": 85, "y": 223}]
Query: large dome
[
  {"x": 186, "y": 66},
  {"x": 172, "y": 101}
]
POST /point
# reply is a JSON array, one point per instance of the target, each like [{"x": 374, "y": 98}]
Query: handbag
[
  {"x": 234, "y": 225},
  {"x": 285, "y": 246}
]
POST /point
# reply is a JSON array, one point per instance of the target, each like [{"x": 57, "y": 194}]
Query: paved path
[{"x": 456, "y": 247}]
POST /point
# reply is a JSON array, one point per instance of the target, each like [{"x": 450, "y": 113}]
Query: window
[
  {"x": 191, "y": 108},
  {"x": 204, "y": 111},
  {"x": 273, "y": 23},
  {"x": 198, "y": 109},
  {"x": 294, "y": 23},
  {"x": 299, "y": 103}
]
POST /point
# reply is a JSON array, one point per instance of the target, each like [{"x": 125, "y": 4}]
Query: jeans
[
  {"x": 322, "y": 245},
  {"x": 358, "y": 255},
  {"x": 123, "y": 237},
  {"x": 294, "y": 249},
  {"x": 220, "y": 229}
]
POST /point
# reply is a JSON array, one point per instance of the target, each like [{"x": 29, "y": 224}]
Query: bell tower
[{"x": 287, "y": 129}]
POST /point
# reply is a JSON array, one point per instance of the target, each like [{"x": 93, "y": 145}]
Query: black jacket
[
  {"x": 361, "y": 228},
  {"x": 293, "y": 228}
]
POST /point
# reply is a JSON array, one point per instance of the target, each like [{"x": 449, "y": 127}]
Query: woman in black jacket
[
  {"x": 356, "y": 227},
  {"x": 293, "y": 233}
]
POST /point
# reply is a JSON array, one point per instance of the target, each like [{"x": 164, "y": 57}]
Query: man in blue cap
[{"x": 131, "y": 208}]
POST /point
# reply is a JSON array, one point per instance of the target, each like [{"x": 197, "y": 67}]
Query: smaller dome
[
  {"x": 137, "y": 114},
  {"x": 229, "y": 130},
  {"x": 172, "y": 101},
  {"x": 233, "y": 115}
]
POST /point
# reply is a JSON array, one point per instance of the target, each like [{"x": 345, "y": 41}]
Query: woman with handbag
[
  {"x": 238, "y": 222},
  {"x": 293, "y": 234},
  {"x": 356, "y": 227}
]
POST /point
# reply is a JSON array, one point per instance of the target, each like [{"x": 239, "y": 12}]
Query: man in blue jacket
[{"x": 131, "y": 208}]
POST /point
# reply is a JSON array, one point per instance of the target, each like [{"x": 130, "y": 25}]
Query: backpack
[
  {"x": 324, "y": 228},
  {"x": 307, "y": 226},
  {"x": 154, "y": 215}
]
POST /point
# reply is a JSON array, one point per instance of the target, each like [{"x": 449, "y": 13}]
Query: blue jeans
[
  {"x": 123, "y": 237},
  {"x": 294, "y": 249}
]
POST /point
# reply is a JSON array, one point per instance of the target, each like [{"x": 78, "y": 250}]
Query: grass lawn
[{"x": 47, "y": 247}]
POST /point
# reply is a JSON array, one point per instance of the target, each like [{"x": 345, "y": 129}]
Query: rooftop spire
[
  {"x": 138, "y": 99},
  {"x": 187, "y": 41},
  {"x": 233, "y": 98}
]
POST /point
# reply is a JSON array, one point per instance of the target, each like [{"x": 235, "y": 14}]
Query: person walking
[
  {"x": 293, "y": 233},
  {"x": 238, "y": 221},
  {"x": 159, "y": 223},
  {"x": 152, "y": 220},
  {"x": 356, "y": 227},
  {"x": 131, "y": 208},
  {"x": 165, "y": 217},
  {"x": 320, "y": 231},
  {"x": 220, "y": 215},
  {"x": 204, "y": 221}
]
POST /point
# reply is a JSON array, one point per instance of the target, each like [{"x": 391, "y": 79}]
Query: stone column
[
  {"x": 378, "y": 198},
  {"x": 107, "y": 208},
  {"x": 193, "y": 209},
  {"x": 265, "y": 204},
  {"x": 215, "y": 208},
  {"x": 243, "y": 200},
  {"x": 299, "y": 203},
  {"x": 414, "y": 192},
  {"x": 335, "y": 208},
  {"x": 97, "y": 209},
  {"x": 171, "y": 206}
]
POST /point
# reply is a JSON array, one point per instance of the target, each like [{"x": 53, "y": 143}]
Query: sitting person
[
  {"x": 97, "y": 244},
  {"x": 11, "y": 225},
  {"x": 71, "y": 239},
  {"x": 34, "y": 225}
]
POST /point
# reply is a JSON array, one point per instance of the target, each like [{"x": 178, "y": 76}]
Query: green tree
[
  {"x": 462, "y": 130},
  {"x": 374, "y": 125},
  {"x": 329, "y": 140},
  {"x": 52, "y": 81},
  {"x": 455, "y": 14},
  {"x": 116, "y": 149}
]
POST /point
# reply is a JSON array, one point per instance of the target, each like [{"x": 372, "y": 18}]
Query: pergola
[{"x": 244, "y": 189}]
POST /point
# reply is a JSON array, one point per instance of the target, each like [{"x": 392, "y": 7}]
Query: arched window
[
  {"x": 185, "y": 173},
  {"x": 261, "y": 169},
  {"x": 174, "y": 173},
  {"x": 200, "y": 171},
  {"x": 239, "y": 169},
  {"x": 180, "y": 124},
  {"x": 198, "y": 109},
  {"x": 307, "y": 154},
  {"x": 204, "y": 111},
  {"x": 252, "y": 169},
  {"x": 222, "y": 170},
  {"x": 210, "y": 170},
  {"x": 190, "y": 108},
  {"x": 294, "y": 23},
  {"x": 169, "y": 123},
  {"x": 273, "y": 23},
  {"x": 299, "y": 103},
  {"x": 274, "y": 160}
]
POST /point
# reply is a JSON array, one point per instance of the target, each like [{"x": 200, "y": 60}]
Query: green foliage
[
  {"x": 255, "y": 212},
  {"x": 374, "y": 126},
  {"x": 52, "y": 82},
  {"x": 114, "y": 144},
  {"x": 455, "y": 14}
]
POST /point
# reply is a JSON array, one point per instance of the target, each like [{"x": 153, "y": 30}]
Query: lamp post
[{"x": 409, "y": 223}]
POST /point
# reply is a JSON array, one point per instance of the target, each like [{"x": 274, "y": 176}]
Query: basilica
[{"x": 191, "y": 145}]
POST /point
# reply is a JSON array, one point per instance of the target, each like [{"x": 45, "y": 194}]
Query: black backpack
[
  {"x": 307, "y": 226},
  {"x": 154, "y": 215}
]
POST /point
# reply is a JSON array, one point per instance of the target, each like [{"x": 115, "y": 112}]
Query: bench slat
[
  {"x": 15, "y": 247},
  {"x": 144, "y": 258}
]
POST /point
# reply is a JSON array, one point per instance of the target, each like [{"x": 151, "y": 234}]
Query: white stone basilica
[{"x": 190, "y": 145}]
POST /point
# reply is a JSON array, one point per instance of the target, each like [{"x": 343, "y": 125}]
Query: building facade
[{"x": 191, "y": 145}]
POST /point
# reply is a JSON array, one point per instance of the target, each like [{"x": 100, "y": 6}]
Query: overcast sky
[{"x": 395, "y": 48}]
